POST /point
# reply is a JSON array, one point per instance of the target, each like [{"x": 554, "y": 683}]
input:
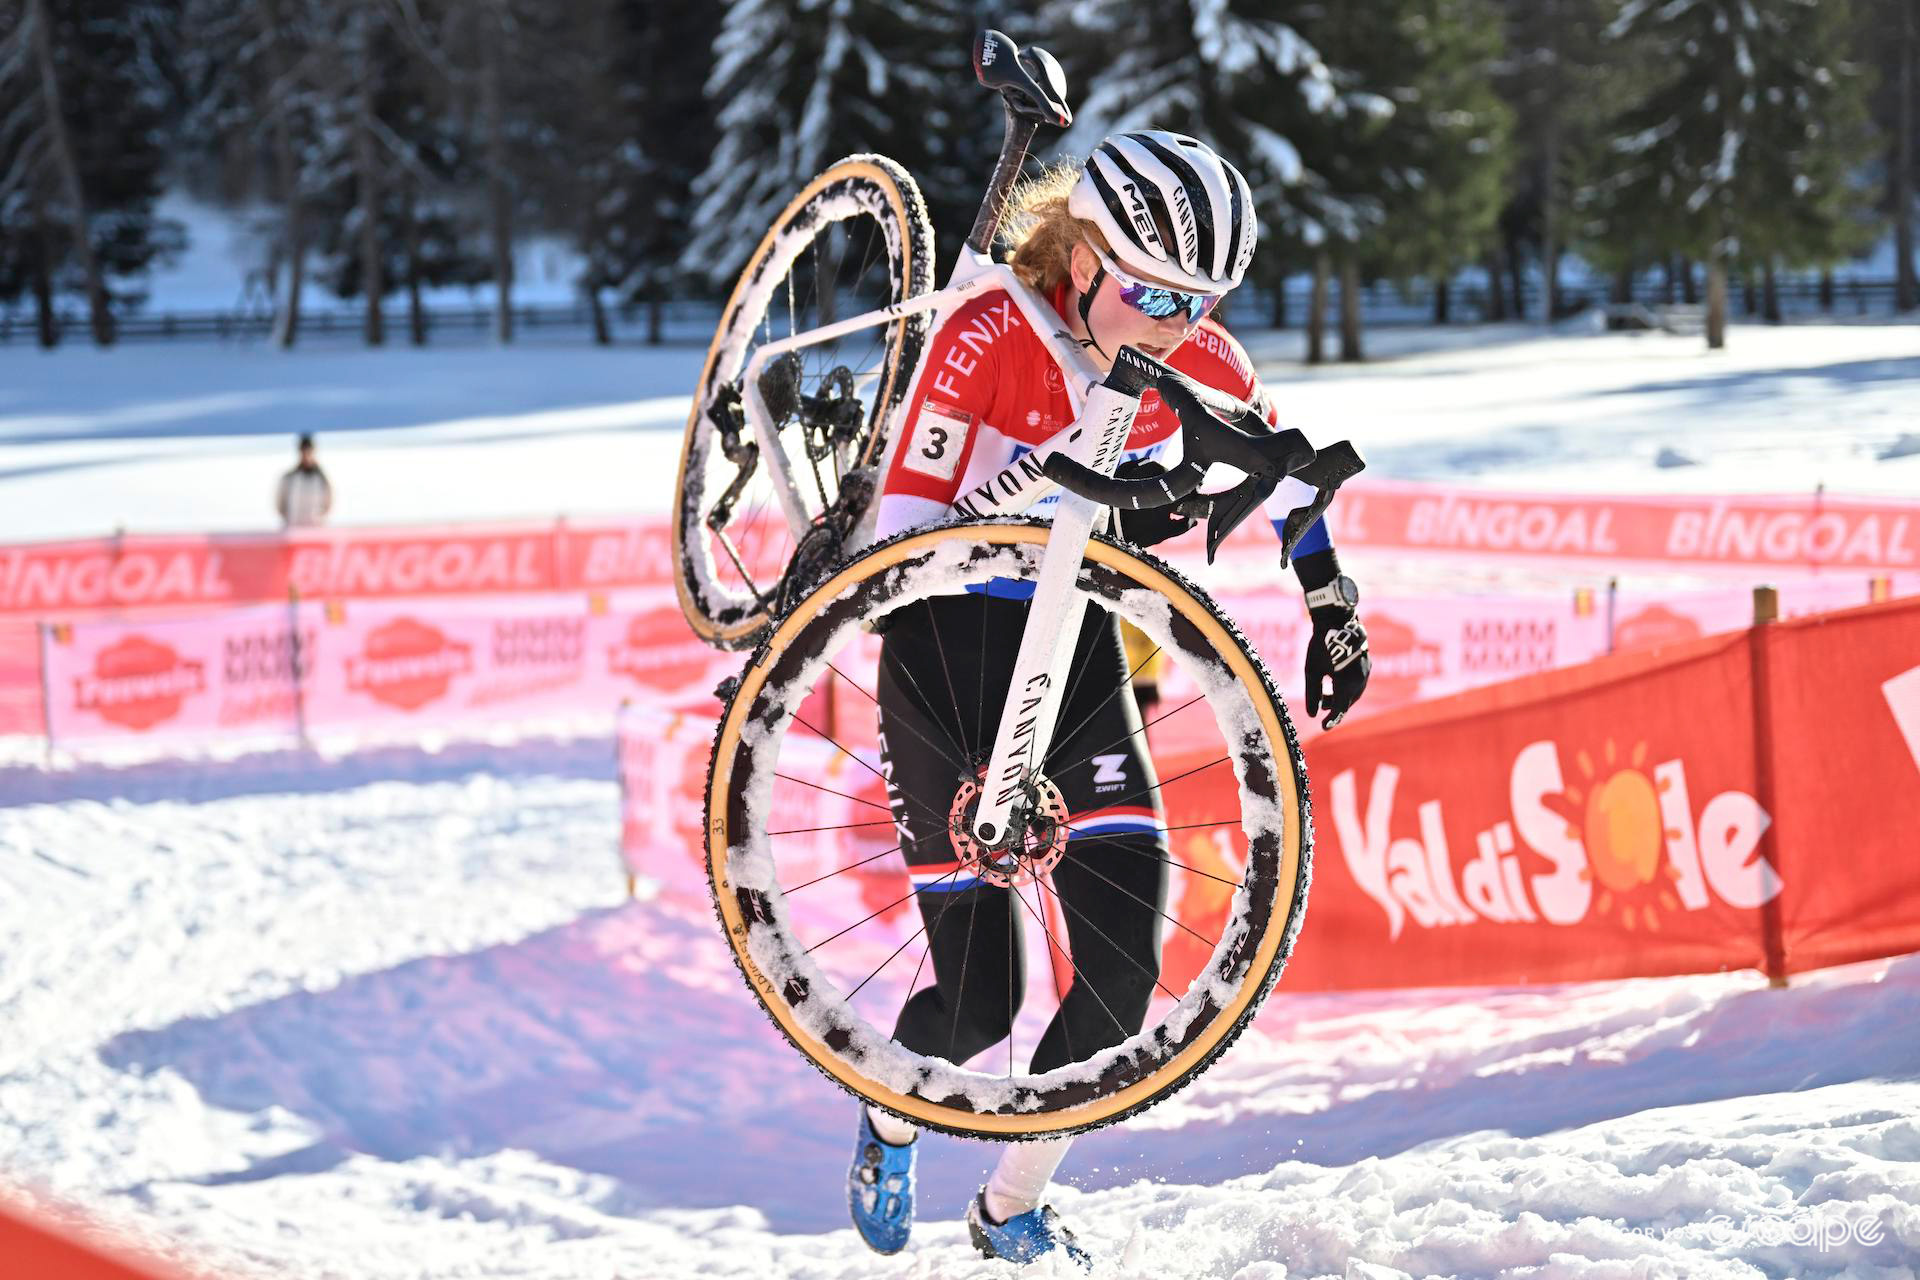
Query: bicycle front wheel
[
  {"x": 856, "y": 239},
  {"x": 805, "y": 862}
]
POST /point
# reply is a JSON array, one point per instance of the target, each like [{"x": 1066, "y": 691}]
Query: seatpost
[{"x": 1013, "y": 154}]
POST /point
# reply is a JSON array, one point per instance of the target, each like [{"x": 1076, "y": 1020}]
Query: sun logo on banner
[{"x": 1617, "y": 820}]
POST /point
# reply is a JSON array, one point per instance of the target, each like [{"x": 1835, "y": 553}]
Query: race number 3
[{"x": 939, "y": 438}]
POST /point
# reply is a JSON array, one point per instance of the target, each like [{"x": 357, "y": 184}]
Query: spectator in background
[{"x": 305, "y": 496}]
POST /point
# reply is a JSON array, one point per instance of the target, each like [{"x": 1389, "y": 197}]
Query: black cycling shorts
[{"x": 945, "y": 667}]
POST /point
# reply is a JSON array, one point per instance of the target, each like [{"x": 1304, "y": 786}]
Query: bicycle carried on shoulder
[{"x": 774, "y": 510}]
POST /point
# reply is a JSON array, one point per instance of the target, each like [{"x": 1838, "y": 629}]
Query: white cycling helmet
[{"x": 1170, "y": 208}]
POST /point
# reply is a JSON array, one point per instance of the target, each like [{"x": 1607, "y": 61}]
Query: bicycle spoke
[
  {"x": 1173, "y": 920},
  {"x": 946, "y": 672},
  {"x": 1095, "y": 837},
  {"x": 960, "y": 993},
  {"x": 1060, "y": 998},
  {"x": 882, "y": 911},
  {"x": 980, "y": 700},
  {"x": 841, "y": 871},
  {"x": 961, "y": 762},
  {"x": 1135, "y": 734},
  {"x": 931, "y": 932},
  {"x": 1073, "y": 686},
  {"x": 1100, "y": 933},
  {"x": 759, "y": 596},
  {"x": 883, "y": 964},
  {"x": 871, "y": 804},
  {"x": 902, "y": 669},
  {"x": 1062, "y": 739},
  {"x": 937, "y": 816},
  {"x": 844, "y": 826}
]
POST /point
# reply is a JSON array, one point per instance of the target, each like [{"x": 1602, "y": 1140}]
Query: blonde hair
[{"x": 1041, "y": 233}]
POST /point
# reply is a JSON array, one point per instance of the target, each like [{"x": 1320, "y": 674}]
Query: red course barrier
[
  {"x": 1784, "y": 532},
  {"x": 157, "y": 571},
  {"x": 35, "y": 1245},
  {"x": 1739, "y": 801},
  {"x": 1743, "y": 801}
]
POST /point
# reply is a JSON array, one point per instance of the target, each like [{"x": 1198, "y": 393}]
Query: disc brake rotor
[{"x": 1036, "y": 832}]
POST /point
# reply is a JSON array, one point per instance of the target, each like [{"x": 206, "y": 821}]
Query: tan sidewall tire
[
  {"x": 1281, "y": 926},
  {"x": 904, "y": 207}
]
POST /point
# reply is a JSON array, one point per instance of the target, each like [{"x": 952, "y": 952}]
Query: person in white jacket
[{"x": 305, "y": 495}]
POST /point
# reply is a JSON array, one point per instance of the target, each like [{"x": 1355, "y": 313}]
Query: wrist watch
[{"x": 1342, "y": 591}]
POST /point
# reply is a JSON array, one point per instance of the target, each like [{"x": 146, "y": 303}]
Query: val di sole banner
[{"x": 1745, "y": 801}]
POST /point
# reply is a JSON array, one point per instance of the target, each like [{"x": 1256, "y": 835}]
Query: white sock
[
  {"x": 1021, "y": 1177},
  {"x": 893, "y": 1132}
]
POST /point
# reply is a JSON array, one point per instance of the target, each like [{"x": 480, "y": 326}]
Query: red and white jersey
[{"x": 991, "y": 391}]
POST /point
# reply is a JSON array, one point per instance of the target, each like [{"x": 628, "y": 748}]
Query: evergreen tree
[
  {"x": 1887, "y": 38},
  {"x": 1249, "y": 85},
  {"x": 1746, "y": 140},
  {"x": 1438, "y": 166},
  {"x": 622, "y": 142},
  {"x": 244, "y": 129},
  {"x": 81, "y": 151},
  {"x": 1425, "y": 158},
  {"x": 797, "y": 88}
]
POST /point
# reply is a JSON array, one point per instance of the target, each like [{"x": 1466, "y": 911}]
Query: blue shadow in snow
[
  {"x": 622, "y": 1044},
  {"x": 1760, "y": 384}
]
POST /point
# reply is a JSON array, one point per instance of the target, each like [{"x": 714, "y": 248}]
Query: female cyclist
[{"x": 1133, "y": 248}]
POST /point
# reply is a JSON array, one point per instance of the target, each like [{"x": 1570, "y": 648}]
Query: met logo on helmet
[{"x": 1142, "y": 220}]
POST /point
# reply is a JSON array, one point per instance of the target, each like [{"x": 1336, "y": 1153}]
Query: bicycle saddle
[{"x": 1029, "y": 80}]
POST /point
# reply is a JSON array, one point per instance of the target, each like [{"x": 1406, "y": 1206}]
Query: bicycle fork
[{"x": 1047, "y": 644}]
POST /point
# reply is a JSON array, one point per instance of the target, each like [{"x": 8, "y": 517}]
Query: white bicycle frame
[{"x": 1096, "y": 438}]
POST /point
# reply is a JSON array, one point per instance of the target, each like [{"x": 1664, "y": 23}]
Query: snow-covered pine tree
[
  {"x": 622, "y": 141},
  {"x": 1230, "y": 73},
  {"x": 1438, "y": 165},
  {"x": 1745, "y": 142},
  {"x": 241, "y": 124},
  {"x": 1418, "y": 149},
  {"x": 800, "y": 86},
  {"x": 81, "y": 150},
  {"x": 499, "y": 62},
  {"x": 1551, "y": 77},
  {"x": 1887, "y": 37}
]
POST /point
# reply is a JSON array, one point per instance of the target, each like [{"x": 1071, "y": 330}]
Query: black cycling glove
[
  {"x": 1149, "y": 525},
  {"x": 1337, "y": 652}
]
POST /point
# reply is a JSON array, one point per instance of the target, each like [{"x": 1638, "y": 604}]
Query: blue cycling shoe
[
  {"x": 1023, "y": 1237},
  {"x": 880, "y": 1189}
]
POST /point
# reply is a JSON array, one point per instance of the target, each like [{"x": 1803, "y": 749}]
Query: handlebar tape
[{"x": 1214, "y": 428}]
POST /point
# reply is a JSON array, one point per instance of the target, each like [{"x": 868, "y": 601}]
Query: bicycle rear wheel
[
  {"x": 807, "y": 877},
  {"x": 855, "y": 239}
]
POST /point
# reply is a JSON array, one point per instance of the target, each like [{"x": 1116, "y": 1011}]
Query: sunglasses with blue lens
[{"x": 1157, "y": 300}]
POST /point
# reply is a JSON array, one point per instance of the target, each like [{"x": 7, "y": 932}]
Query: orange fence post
[{"x": 1766, "y": 611}]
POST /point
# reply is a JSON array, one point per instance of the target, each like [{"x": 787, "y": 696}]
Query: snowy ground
[
  {"x": 188, "y": 436},
  {"x": 389, "y": 1016}
]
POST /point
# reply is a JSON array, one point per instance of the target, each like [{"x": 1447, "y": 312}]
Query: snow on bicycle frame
[{"x": 1069, "y": 567}]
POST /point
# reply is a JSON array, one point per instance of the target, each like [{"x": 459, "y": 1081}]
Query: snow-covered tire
[
  {"x": 1261, "y": 923},
  {"x": 730, "y": 615}
]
